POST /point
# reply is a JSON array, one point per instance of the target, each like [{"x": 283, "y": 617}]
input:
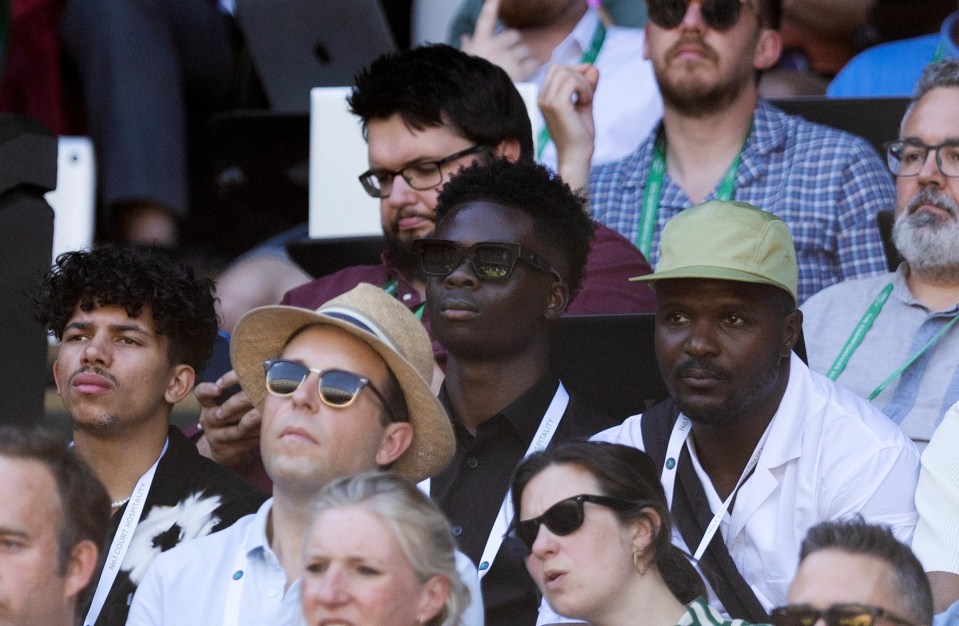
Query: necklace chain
[{"x": 119, "y": 503}]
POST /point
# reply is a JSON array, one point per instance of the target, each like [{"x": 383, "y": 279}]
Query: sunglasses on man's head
[
  {"x": 565, "y": 517},
  {"x": 836, "y": 615},
  {"x": 490, "y": 260},
  {"x": 718, "y": 14},
  {"x": 338, "y": 388}
]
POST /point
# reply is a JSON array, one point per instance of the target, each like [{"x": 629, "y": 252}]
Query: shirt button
[
  {"x": 457, "y": 530},
  {"x": 407, "y": 297},
  {"x": 472, "y": 463},
  {"x": 271, "y": 593}
]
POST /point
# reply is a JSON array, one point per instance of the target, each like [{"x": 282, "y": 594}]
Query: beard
[
  {"x": 688, "y": 93},
  {"x": 929, "y": 242},
  {"x": 400, "y": 253}
]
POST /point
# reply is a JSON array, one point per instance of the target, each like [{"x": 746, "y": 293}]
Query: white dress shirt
[
  {"x": 626, "y": 104},
  {"x": 830, "y": 455}
]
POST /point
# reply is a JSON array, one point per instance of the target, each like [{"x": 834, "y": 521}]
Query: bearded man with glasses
[
  {"x": 507, "y": 257},
  {"x": 718, "y": 141},
  {"x": 907, "y": 362}
]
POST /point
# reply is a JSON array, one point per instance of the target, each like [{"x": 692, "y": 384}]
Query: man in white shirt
[
  {"x": 562, "y": 46},
  {"x": 755, "y": 448},
  {"x": 369, "y": 406}
]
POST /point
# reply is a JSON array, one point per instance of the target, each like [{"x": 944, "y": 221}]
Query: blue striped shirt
[{"x": 825, "y": 184}]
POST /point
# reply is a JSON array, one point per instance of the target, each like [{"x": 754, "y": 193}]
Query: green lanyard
[
  {"x": 858, "y": 333},
  {"x": 393, "y": 288},
  {"x": 940, "y": 53},
  {"x": 654, "y": 190},
  {"x": 589, "y": 56}
]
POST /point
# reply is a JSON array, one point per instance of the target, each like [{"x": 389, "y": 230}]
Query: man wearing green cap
[{"x": 754, "y": 447}]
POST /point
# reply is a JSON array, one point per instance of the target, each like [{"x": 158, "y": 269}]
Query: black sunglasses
[
  {"x": 490, "y": 260},
  {"x": 338, "y": 388},
  {"x": 565, "y": 517},
  {"x": 835, "y": 615},
  {"x": 718, "y": 14}
]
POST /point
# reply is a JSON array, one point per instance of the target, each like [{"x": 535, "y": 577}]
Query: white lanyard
[
  {"x": 121, "y": 541},
  {"x": 544, "y": 434},
  {"x": 680, "y": 436},
  {"x": 234, "y": 594}
]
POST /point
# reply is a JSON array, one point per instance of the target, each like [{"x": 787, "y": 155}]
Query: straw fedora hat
[{"x": 371, "y": 315}]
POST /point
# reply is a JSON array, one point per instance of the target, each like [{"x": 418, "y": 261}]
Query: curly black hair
[
  {"x": 559, "y": 215},
  {"x": 182, "y": 305}
]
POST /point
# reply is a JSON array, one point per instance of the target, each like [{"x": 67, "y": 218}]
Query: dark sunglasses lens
[
  {"x": 492, "y": 261},
  {"x": 438, "y": 258},
  {"x": 339, "y": 388},
  {"x": 564, "y": 517},
  {"x": 721, "y": 14},
  {"x": 526, "y": 532},
  {"x": 668, "y": 13},
  {"x": 283, "y": 377}
]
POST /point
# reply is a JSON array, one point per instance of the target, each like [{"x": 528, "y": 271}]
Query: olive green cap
[{"x": 727, "y": 241}]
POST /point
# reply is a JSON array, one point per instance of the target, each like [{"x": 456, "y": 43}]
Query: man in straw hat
[
  {"x": 342, "y": 390},
  {"x": 754, "y": 447}
]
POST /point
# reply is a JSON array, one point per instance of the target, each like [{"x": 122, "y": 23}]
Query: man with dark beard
[
  {"x": 717, "y": 140},
  {"x": 754, "y": 447},
  {"x": 908, "y": 360}
]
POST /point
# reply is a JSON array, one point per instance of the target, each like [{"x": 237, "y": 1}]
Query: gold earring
[{"x": 639, "y": 563}]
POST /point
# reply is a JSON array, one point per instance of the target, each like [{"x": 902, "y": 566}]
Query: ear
[
  {"x": 644, "y": 531},
  {"x": 80, "y": 567},
  {"x": 56, "y": 376},
  {"x": 397, "y": 438},
  {"x": 508, "y": 149},
  {"x": 792, "y": 327},
  {"x": 769, "y": 48},
  {"x": 432, "y": 598},
  {"x": 557, "y": 301},
  {"x": 181, "y": 382}
]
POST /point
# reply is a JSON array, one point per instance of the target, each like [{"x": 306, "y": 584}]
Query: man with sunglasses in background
[
  {"x": 134, "y": 330},
  {"x": 854, "y": 574},
  {"x": 507, "y": 256},
  {"x": 907, "y": 360},
  {"x": 427, "y": 112},
  {"x": 718, "y": 140},
  {"x": 342, "y": 390}
]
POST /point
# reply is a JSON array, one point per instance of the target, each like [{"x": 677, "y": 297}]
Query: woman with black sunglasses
[{"x": 594, "y": 520}]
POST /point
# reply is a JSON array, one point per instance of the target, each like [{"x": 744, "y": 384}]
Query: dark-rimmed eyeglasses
[
  {"x": 490, "y": 260},
  {"x": 836, "y": 615},
  {"x": 423, "y": 175},
  {"x": 906, "y": 158},
  {"x": 718, "y": 14},
  {"x": 565, "y": 517},
  {"x": 338, "y": 388}
]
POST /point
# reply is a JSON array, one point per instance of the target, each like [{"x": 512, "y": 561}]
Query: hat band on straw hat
[{"x": 362, "y": 322}]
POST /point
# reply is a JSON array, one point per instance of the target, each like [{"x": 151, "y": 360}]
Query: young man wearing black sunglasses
[
  {"x": 852, "y": 573},
  {"x": 507, "y": 256},
  {"x": 718, "y": 140},
  {"x": 342, "y": 390}
]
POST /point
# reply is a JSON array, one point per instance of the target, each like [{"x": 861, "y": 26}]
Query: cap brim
[
  {"x": 261, "y": 334},
  {"x": 711, "y": 272}
]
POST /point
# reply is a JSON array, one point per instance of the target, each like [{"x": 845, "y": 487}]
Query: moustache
[
  {"x": 94, "y": 370},
  {"x": 701, "y": 368},
  {"x": 692, "y": 42},
  {"x": 932, "y": 197}
]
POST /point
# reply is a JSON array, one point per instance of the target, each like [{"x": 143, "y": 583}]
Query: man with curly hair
[{"x": 135, "y": 328}]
